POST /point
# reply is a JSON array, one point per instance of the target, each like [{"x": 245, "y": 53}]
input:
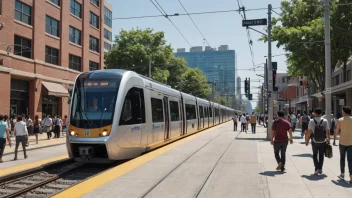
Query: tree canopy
[
  {"x": 300, "y": 31},
  {"x": 135, "y": 49}
]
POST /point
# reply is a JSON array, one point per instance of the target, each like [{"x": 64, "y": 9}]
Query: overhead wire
[{"x": 194, "y": 23}]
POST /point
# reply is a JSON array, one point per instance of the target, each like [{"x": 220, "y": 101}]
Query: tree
[
  {"x": 300, "y": 30},
  {"x": 135, "y": 49}
]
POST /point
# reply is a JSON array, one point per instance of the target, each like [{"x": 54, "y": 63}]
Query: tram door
[{"x": 167, "y": 118}]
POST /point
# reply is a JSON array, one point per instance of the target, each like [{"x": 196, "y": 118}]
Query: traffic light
[
  {"x": 247, "y": 87},
  {"x": 250, "y": 97},
  {"x": 274, "y": 79}
]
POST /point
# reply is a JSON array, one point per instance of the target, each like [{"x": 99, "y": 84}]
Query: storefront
[
  {"x": 19, "y": 97},
  {"x": 52, "y": 98}
]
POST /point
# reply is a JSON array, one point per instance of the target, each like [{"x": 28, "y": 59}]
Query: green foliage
[
  {"x": 135, "y": 49},
  {"x": 300, "y": 30}
]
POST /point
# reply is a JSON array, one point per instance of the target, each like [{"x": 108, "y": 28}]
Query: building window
[
  {"x": 75, "y": 35},
  {"x": 52, "y": 26},
  {"x": 94, "y": 20},
  {"x": 75, "y": 8},
  {"x": 283, "y": 80},
  {"x": 95, "y": 2},
  {"x": 191, "y": 112},
  {"x": 23, "y": 12},
  {"x": 93, "y": 66},
  {"x": 174, "y": 111},
  {"x": 107, "y": 46},
  {"x": 75, "y": 62},
  {"x": 107, "y": 17},
  {"x": 23, "y": 47},
  {"x": 107, "y": 35},
  {"x": 157, "y": 110},
  {"x": 93, "y": 44},
  {"x": 56, "y": 2},
  {"x": 51, "y": 55},
  {"x": 348, "y": 75}
]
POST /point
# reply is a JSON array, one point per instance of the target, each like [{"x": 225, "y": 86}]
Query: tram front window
[{"x": 93, "y": 102}]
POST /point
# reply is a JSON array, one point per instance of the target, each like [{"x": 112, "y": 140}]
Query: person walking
[
  {"x": 293, "y": 122},
  {"x": 318, "y": 128},
  {"x": 4, "y": 133},
  {"x": 47, "y": 124},
  {"x": 58, "y": 125},
  {"x": 20, "y": 132},
  {"x": 235, "y": 120},
  {"x": 345, "y": 125},
  {"x": 7, "y": 120},
  {"x": 279, "y": 139},
  {"x": 305, "y": 120},
  {"x": 253, "y": 122},
  {"x": 243, "y": 123},
  {"x": 36, "y": 129},
  {"x": 30, "y": 125},
  {"x": 248, "y": 118}
]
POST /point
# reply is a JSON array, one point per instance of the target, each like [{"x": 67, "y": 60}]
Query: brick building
[{"x": 44, "y": 45}]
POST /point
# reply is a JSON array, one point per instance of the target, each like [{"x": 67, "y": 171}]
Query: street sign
[{"x": 254, "y": 22}]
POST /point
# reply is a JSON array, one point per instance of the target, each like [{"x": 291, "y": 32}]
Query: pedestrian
[
  {"x": 235, "y": 120},
  {"x": 345, "y": 125},
  {"x": 20, "y": 133},
  {"x": 266, "y": 121},
  {"x": 7, "y": 120},
  {"x": 37, "y": 127},
  {"x": 14, "y": 120},
  {"x": 248, "y": 120},
  {"x": 58, "y": 125},
  {"x": 64, "y": 125},
  {"x": 47, "y": 124},
  {"x": 293, "y": 122},
  {"x": 4, "y": 133},
  {"x": 333, "y": 127},
  {"x": 305, "y": 120},
  {"x": 253, "y": 122},
  {"x": 29, "y": 125},
  {"x": 318, "y": 128},
  {"x": 279, "y": 139},
  {"x": 243, "y": 123}
]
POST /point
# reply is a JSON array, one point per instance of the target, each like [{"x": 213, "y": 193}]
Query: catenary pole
[
  {"x": 270, "y": 76},
  {"x": 327, "y": 61}
]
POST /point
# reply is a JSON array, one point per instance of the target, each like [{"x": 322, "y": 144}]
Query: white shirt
[
  {"x": 21, "y": 128},
  {"x": 243, "y": 119},
  {"x": 47, "y": 122}
]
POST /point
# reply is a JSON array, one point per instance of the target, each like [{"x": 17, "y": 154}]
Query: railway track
[{"x": 48, "y": 181}]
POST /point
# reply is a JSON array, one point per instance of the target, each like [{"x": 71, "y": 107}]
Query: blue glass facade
[{"x": 217, "y": 66}]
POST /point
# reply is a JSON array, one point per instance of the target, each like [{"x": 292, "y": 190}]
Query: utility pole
[
  {"x": 327, "y": 62},
  {"x": 150, "y": 68},
  {"x": 270, "y": 76}
]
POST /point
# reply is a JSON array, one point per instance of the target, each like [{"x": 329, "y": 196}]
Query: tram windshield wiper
[
  {"x": 88, "y": 120},
  {"x": 105, "y": 109}
]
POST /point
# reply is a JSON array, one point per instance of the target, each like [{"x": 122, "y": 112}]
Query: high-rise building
[
  {"x": 217, "y": 66},
  {"x": 44, "y": 45}
]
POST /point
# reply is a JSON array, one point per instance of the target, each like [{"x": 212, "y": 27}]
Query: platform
[{"x": 219, "y": 162}]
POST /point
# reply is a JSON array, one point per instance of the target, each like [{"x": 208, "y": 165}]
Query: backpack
[
  {"x": 319, "y": 134},
  {"x": 305, "y": 118}
]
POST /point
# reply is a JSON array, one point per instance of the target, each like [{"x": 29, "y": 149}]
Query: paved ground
[{"x": 224, "y": 163}]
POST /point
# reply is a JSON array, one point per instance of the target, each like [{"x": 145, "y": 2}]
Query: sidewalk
[
  {"x": 43, "y": 142},
  {"x": 298, "y": 180}
]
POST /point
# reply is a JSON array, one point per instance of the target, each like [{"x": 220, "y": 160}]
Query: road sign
[
  {"x": 328, "y": 90},
  {"x": 254, "y": 22}
]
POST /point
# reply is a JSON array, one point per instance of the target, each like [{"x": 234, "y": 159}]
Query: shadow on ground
[
  {"x": 342, "y": 183},
  {"x": 313, "y": 177},
  {"x": 303, "y": 155},
  {"x": 271, "y": 173}
]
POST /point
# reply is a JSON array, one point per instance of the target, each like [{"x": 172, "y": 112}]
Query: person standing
[
  {"x": 345, "y": 125},
  {"x": 253, "y": 122},
  {"x": 20, "y": 133},
  {"x": 235, "y": 120},
  {"x": 47, "y": 124},
  {"x": 7, "y": 120},
  {"x": 318, "y": 128},
  {"x": 4, "y": 133},
  {"x": 243, "y": 123},
  {"x": 58, "y": 125},
  {"x": 293, "y": 122},
  {"x": 37, "y": 127},
  {"x": 279, "y": 139},
  {"x": 305, "y": 120},
  {"x": 30, "y": 125}
]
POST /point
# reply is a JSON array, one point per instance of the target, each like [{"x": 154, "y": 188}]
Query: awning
[{"x": 55, "y": 89}]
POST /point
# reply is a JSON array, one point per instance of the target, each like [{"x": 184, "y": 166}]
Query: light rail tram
[{"x": 118, "y": 114}]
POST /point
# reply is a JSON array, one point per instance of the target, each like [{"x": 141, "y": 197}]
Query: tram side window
[
  {"x": 205, "y": 112},
  {"x": 174, "y": 111},
  {"x": 210, "y": 112},
  {"x": 157, "y": 110},
  {"x": 216, "y": 112},
  {"x": 190, "y": 112},
  {"x": 201, "y": 111},
  {"x": 133, "y": 111}
]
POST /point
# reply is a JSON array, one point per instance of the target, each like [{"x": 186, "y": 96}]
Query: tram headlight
[
  {"x": 72, "y": 133},
  {"x": 104, "y": 133}
]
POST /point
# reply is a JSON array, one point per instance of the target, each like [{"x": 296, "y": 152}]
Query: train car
[{"x": 118, "y": 114}]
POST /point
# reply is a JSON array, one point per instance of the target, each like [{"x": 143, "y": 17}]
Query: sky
[{"x": 218, "y": 29}]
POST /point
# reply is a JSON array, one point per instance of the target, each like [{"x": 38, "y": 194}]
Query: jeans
[
  {"x": 243, "y": 127},
  {"x": 280, "y": 146},
  {"x": 253, "y": 128},
  {"x": 2, "y": 146},
  {"x": 318, "y": 148},
  {"x": 20, "y": 139},
  {"x": 235, "y": 126},
  {"x": 343, "y": 151}
]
